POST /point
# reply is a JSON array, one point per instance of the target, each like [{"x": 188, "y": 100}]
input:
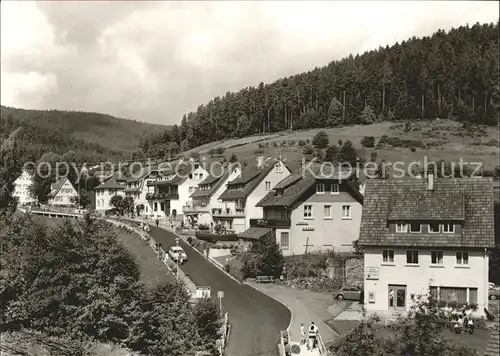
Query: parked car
[
  {"x": 494, "y": 294},
  {"x": 176, "y": 253},
  {"x": 348, "y": 293}
]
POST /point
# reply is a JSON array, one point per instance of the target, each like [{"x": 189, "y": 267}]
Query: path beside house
[
  {"x": 305, "y": 307},
  {"x": 353, "y": 313}
]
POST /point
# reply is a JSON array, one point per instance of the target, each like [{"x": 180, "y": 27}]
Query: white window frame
[
  {"x": 267, "y": 185},
  {"x": 329, "y": 216},
  {"x": 348, "y": 209},
  {"x": 320, "y": 188},
  {"x": 386, "y": 256},
  {"x": 334, "y": 189},
  {"x": 434, "y": 232},
  {"x": 412, "y": 263},
  {"x": 461, "y": 261},
  {"x": 439, "y": 258},
  {"x": 308, "y": 212},
  {"x": 415, "y": 232},
  {"x": 450, "y": 231},
  {"x": 288, "y": 240},
  {"x": 278, "y": 167},
  {"x": 401, "y": 228}
]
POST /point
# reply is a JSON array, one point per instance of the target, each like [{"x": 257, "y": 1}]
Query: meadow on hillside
[{"x": 435, "y": 139}]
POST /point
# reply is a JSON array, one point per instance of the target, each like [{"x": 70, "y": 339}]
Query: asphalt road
[{"x": 256, "y": 319}]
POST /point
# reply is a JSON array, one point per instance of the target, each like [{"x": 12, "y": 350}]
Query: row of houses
[{"x": 415, "y": 233}]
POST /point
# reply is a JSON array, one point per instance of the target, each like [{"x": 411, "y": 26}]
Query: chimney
[{"x": 430, "y": 181}]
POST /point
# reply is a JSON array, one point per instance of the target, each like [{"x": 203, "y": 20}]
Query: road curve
[{"x": 256, "y": 319}]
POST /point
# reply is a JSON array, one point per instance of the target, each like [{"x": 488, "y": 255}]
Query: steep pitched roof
[
  {"x": 180, "y": 170},
  {"x": 292, "y": 188},
  {"x": 56, "y": 187},
  {"x": 111, "y": 183},
  {"x": 145, "y": 171},
  {"x": 430, "y": 206},
  {"x": 250, "y": 177},
  {"x": 475, "y": 195},
  {"x": 289, "y": 194},
  {"x": 216, "y": 177}
]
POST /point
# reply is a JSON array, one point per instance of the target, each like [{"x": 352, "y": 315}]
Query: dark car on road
[{"x": 348, "y": 293}]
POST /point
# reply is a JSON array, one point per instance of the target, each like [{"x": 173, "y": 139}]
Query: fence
[
  {"x": 225, "y": 329},
  {"x": 321, "y": 346}
]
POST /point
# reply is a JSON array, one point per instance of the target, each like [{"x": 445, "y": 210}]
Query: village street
[{"x": 256, "y": 319}]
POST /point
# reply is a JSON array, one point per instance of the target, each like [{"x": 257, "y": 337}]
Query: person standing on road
[
  {"x": 302, "y": 334},
  {"x": 313, "y": 332},
  {"x": 157, "y": 222}
]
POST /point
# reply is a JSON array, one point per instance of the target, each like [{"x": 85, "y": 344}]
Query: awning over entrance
[{"x": 254, "y": 233}]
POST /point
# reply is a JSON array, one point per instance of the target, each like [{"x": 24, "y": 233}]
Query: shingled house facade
[
  {"x": 426, "y": 234},
  {"x": 308, "y": 213}
]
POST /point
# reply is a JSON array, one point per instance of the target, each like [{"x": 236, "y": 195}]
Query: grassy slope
[
  {"x": 453, "y": 148},
  {"x": 108, "y": 131}
]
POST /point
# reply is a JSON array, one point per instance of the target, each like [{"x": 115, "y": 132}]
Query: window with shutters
[
  {"x": 284, "y": 240},
  {"x": 462, "y": 258},
  {"x": 388, "y": 256},
  {"x": 308, "y": 211},
  {"x": 412, "y": 257},
  {"x": 328, "y": 211},
  {"x": 346, "y": 212},
  {"x": 437, "y": 257}
]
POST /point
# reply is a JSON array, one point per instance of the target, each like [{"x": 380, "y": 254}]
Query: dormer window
[
  {"x": 415, "y": 227},
  {"x": 196, "y": 166},
  {"x": 334, "y": 189},
  {"x": 320, "y": 189},
  {"x": 448, "y": 228},
  {"x": 401, "y": 227},
  {"x": 434, "y": 228}
]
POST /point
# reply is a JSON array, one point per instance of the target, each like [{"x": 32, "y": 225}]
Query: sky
[{"x": 155, "y": 61}]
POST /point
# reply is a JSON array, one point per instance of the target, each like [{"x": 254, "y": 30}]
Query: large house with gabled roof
[
  {"x": 62, "y": 193},
  {"x": 206, "y": 198},
  {"x": 311, "y": 211},
  {"x": 113, "y": 185},
  {"x": 137, "y": 188},
  {"x": 426, "y": 234},
  {"x": 22, "y": 187},
  {"x": 243, "y": 193},
  {"x": 173, "y": 187}
]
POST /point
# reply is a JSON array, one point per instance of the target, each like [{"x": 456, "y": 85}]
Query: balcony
[
  {"x": 228, "y": 213},
  {"x": 195, "y": 209},
  {"x": 270, "y": 223},
  {"x": 162, "y": 196}
]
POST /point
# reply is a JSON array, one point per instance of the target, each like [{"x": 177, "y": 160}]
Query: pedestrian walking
[
  {"x": 157, "y": 222},
  {"x": 313, "y": 333},
  {"x": 302, "y": 334}
]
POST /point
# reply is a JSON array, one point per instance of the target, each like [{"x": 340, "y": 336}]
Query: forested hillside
[
  {"x": 448, "y": 75},
  {"x": 92, "y": 136}
]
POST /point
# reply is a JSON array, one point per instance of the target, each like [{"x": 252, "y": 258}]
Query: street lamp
[{"x": 177, "y": 259}]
